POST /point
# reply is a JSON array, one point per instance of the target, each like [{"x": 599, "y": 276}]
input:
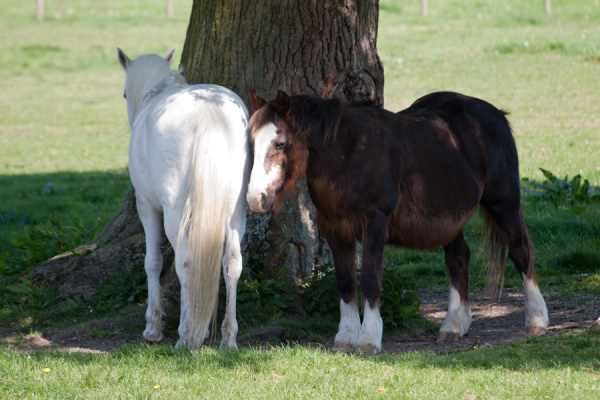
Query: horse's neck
[{"x": 173, "y": 80}]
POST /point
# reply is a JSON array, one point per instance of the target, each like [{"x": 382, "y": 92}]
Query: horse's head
[
  {"x": 142, "y": 75},
  {"x": 280, "y": 154}
]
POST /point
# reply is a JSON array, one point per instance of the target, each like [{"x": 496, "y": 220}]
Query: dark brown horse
[{"x": 411, "y": 179}]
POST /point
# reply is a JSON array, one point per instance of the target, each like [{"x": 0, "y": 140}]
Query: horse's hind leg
[
  {"x": 344, "y": 259},
  {"x": 232, "y": 269},
  {"x": 458, "y": 319},
  {"x": 172, "y": 224},
  {"x": 153, "y": 263},
  {"x": 520, "y": 250}
]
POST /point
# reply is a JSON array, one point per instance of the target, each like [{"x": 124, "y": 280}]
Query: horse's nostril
[{"x": 263, "y": 199}]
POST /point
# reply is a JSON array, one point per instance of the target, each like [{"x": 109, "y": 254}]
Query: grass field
[
  {"x": 562, "y": 368},
  {"x": 63, "y": 159}
]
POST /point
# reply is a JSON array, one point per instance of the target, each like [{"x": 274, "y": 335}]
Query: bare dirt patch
[{"x": 502, "y": 323}]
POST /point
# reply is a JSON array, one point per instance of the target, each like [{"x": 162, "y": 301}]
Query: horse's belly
[{"x": 426, "y": 233}]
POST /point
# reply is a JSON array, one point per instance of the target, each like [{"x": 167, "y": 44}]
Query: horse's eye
[
  {"x": 124, "y": 95},
  {"x": 280, "y": 146}
]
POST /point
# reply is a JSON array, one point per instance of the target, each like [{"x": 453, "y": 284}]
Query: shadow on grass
[
  {"x": 576, "y": 351},
  {"x": 62, "y": 197}
]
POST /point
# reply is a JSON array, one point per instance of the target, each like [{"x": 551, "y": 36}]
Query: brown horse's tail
[{"x": 497, "y": 240}]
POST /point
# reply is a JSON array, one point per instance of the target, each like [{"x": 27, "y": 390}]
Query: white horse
[{"x": 189, "y": 164}]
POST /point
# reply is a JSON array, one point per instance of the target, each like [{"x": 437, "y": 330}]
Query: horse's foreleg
[
  {"x": 458, "y": 318},
  {"x": 232, "y": 269},
  {"x": 371, "y": 285},
  {"x": 344, "y": 258},
  {"x": 153, "y": 264}
]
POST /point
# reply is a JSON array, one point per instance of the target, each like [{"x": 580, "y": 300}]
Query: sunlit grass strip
[{"x": 537, "y": 368}]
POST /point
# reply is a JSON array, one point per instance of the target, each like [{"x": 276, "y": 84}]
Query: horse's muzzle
[{"x": 258, "y": 202}]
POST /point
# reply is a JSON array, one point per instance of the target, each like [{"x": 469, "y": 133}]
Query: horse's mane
[
  {"x": 151, "y": 75},
  {"x": 308, "y": 115},
  {"x": 311, "y": 114}
]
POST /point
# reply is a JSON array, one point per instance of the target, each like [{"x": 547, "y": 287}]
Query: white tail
[{"x": 204, "y": 219}]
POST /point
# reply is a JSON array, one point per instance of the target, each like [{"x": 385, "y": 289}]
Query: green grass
[
  {"x": 63, "y": 174},
  {"x": 63, "y": 118},
  {"x": 560, "y": 368},
  {"x": 543, "y": 69}
]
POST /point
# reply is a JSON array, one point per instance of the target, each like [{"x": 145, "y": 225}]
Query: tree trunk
[
  {"x": 321, "y": 47},
  {"x": 424, "y": 8},
  {"x": 547, "y": 6}
]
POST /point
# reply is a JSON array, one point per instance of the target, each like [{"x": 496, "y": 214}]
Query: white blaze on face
[{"x": 263, "y": 174}]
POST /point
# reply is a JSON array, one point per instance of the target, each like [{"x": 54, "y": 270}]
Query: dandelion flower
[
  {"x": 47, "y": 370},
  {"x": 382, "y": 390},
  {"x": 156, "y": 387}
]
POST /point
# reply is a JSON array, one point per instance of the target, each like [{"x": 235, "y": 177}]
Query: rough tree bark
[{"x": 322, "y": 47}]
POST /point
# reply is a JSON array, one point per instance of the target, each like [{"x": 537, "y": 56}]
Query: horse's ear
[
  {"x": 123, "y": 59},
  {"x": 282, "y": 102},
  {"x": 170, "y": 56},
  {"x": 257, "y": 101}
]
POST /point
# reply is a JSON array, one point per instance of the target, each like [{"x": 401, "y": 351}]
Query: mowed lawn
[{"x": 63, "y": 161}]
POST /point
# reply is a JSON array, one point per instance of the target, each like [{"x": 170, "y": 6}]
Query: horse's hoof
[
  {"x": 368, "y": 349},
  {"x": 447, "y": 337},
  {"x": 180, "y": 344},
  {"x": 342, "y": 347},
  {"x": 152, "y": 336},
  {"x": 535, "y": 331},
  {"x": 228, "y": 346}
]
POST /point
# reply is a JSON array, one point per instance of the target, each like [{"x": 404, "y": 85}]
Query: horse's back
[
  {"x": 462, "y": 113},
  {"x": 479, "y": 123},
  {"x": 197, "y": 103},
  {"x": 485, "y": 138},
  {"x": 457, "y": 146},
  {"x": 164, "y": 136}
]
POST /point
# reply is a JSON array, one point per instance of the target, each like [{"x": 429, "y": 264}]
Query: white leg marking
[
  {"x": 371, "y": 330},
  {"x": 459, "y": 318},
  {"x": 349, "y": 328},
  {"x": 536, "y": 313}
]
